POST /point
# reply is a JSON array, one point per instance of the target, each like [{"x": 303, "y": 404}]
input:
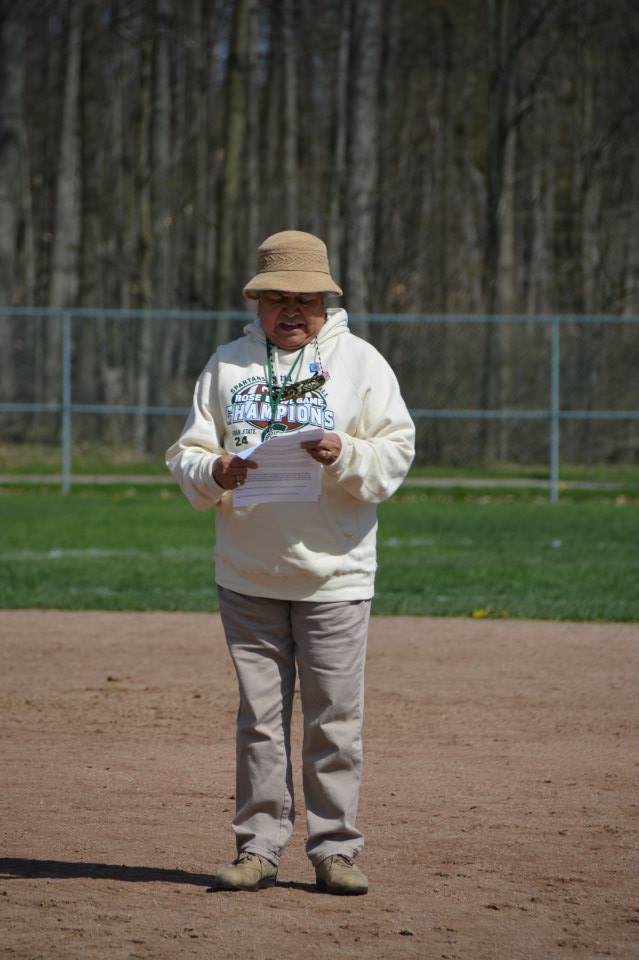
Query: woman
[{"x": 295, "y": 580}]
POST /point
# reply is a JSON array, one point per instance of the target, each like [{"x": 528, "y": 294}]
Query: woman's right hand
[{"x": 230, "y": 471}]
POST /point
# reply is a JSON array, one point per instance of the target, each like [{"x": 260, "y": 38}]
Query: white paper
[{"x": 285, "y": 473}]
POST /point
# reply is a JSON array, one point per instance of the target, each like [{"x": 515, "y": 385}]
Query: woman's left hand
[{"x": 326, "y": 450}]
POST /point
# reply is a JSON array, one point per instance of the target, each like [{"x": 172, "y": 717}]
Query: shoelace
[
  {"x": 342, "y": 856},
  {"x": 245, "y": 855}
]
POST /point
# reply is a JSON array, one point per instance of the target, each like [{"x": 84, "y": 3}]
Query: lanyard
[{"x": 276, "y": 396}]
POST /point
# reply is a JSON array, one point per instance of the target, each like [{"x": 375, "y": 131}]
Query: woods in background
[{"x": 476, "y": 156}]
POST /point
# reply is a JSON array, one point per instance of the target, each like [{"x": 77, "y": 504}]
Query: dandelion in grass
[{"x": 492, "y": 612}]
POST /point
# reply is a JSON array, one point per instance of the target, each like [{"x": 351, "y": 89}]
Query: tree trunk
[
  {"x": 290, "y": 114},
  {"x": 631, "y": 259},
  {"x": 253, "y": 165},
  {"x": 200, "y": 41},
  {"x": 539, "y": 285},
  {"x": 204, "y": 21},
  {"x": 89, "y": 292},
  {"x": 124, "y": 242},
  {"x": 161, "y": 172},
  {"x": 66, "y": 237},
  {"x": 234, "y": 141},
  {"x": 499, "y": 22},
  {"x": 362, "y": 152},
  {"x": 340, "y": 124},
  {"x": 12, "y": 155},
  {"x": 504, "y": 113},
  {"x": 445, "y": 157},
  {"x": 12, "y": 41},
  {"x": 167, "y": 219},
  {"x": 66, "y": 230},
  {"x": 272, "y": 159},
  {"x": 145, "y": 236},
  {"x": 506, "y": 273},
  {"x": 590, "y": 254}
]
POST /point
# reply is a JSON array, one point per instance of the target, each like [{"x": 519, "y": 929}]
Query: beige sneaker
[
  {"x": 249, "y": 871},
  {"x": 338, "y": 874}
]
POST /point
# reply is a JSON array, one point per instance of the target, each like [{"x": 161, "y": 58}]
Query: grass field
[{"x": 144, "y": 549}]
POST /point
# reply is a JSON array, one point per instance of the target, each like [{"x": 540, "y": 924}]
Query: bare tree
[
  {"x": 140, "y": 365},
  {"x": 234, "y": 140},
  {"x": 12, "y": 41},
  {"x": 340, "y": 125},
  {"x": 253, "y": 161},
  {"x": 66, "y": 230},
  {"x": 362, "y": 151},
  {"x": 12, "y": 155},
  {"x": 453, "y": 161},
  {"x": 511, "y": 28},
  {"x": 290, "y": 113}
]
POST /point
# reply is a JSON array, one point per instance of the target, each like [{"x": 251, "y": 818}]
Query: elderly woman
[{"x": 295, "y": 579}]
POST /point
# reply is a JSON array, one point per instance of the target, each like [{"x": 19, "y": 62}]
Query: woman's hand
[
  {"x": 230, "y": 471},
  {"x": 326, "y": 450}
]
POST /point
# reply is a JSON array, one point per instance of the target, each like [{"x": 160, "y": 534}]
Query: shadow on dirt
[
  {"x": 19, "y": 868},
  {"x": 296, "y": 885},
  {"x": 15, "y": 867}
]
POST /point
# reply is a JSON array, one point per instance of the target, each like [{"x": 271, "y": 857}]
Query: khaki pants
[{"x": 327, "y": 641}]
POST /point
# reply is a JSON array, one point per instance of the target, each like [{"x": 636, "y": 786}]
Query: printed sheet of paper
[{"x": 285, "y": 470}]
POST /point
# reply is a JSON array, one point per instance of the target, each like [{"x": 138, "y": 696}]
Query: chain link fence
[{"x": 481, "y": 389}]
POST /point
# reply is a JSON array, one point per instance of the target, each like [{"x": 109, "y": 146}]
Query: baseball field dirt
[{"x": 498, "y": 802}]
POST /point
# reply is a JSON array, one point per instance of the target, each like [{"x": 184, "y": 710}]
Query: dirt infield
[{"x": 498, "y": 800}]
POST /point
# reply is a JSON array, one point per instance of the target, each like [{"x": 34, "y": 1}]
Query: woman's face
[{"x": 290, "y": 320}]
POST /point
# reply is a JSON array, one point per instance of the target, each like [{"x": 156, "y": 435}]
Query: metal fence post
[
  {"x": 554, "y": 409},
  {"x": 66, "y": 403}
]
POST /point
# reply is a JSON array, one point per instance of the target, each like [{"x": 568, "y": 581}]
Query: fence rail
[{"x": 553, "y": 414}]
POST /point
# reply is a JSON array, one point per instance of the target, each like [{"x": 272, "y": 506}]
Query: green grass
[
  {"x": 602, "y": 473},
  {"x": 491, "y": 494},
  {"x": 573, "y": 561},
  {"x": 144, "y": 549}
]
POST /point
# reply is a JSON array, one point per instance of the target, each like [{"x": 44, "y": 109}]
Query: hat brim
[{"x": 291, "y": 281}]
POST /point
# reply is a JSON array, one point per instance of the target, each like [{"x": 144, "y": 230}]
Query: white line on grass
[
  {"x": 424, "y": 542},
  {"x": 97, "y": 553}
]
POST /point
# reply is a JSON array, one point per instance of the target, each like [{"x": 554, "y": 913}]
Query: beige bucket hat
[{"x": 293, "y": 261}]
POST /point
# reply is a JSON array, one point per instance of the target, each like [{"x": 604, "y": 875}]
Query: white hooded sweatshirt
[{"x": 298, "y": 551}]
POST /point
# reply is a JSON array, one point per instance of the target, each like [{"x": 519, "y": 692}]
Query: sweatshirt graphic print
[{"x": 250, "y": 405}]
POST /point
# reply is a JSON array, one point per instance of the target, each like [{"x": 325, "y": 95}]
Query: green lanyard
[{"x": 276, "y": 396}]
